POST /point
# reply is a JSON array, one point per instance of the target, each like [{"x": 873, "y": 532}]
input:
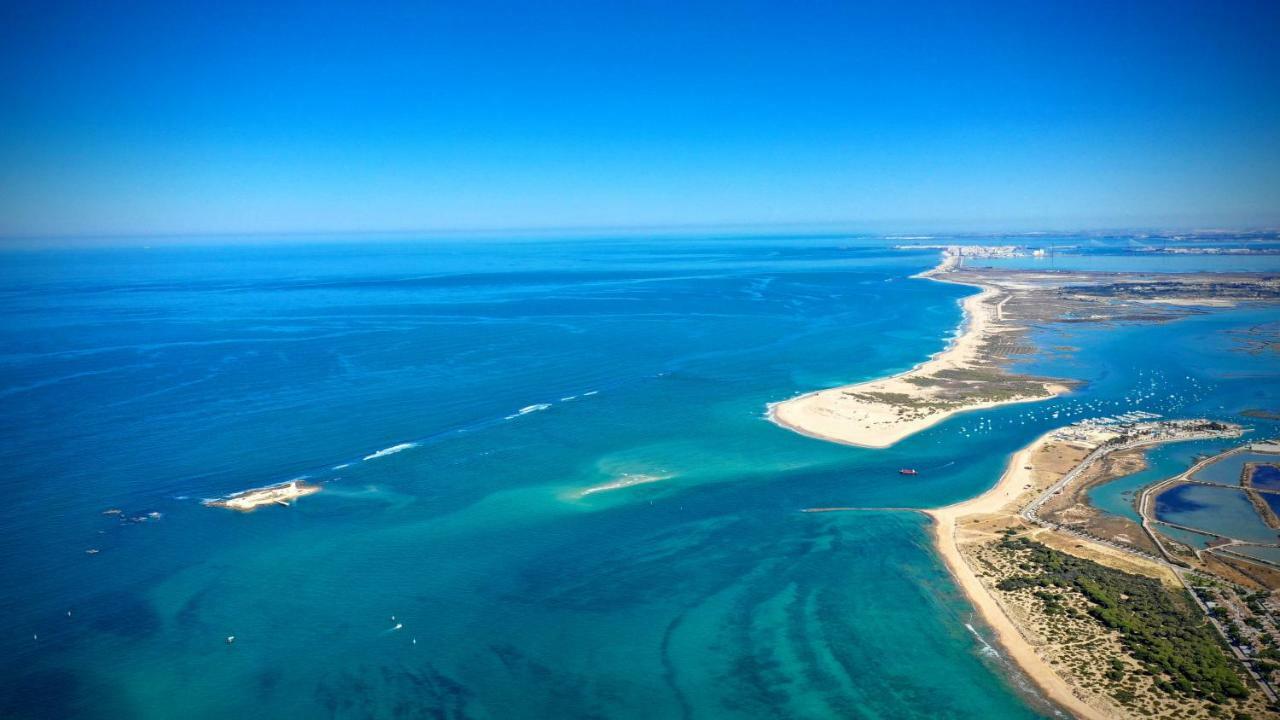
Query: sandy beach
[
  {"x": 959, "y": 378},
  {"x": 968, "y": 536},
  {"x": 1002, "y": 498}
]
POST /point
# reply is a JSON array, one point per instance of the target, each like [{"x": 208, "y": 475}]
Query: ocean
[{"x": 454, "y": 398}]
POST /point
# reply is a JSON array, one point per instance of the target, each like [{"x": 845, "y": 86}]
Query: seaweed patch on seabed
[
  {"x": 768, "y": 664},
  {"x": 44, "y": 693},
  {"x": 563, "y": 694},
  {"x": 121, "y": 613},
  {"x": 386, "y": 691},
  {"x": 267, "y": 681},
  {"x": 587, "y": 577},
  {"x": 189, "y": 615}
]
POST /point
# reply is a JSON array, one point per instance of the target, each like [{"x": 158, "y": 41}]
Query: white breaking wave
[
  {"x": 528, "y": 409},
  {"x": 593, "y": 392},
  {"x": 391, "y": 450},
  {"x": 986, "y": 646},
  {"x": 344, "y": 465}
]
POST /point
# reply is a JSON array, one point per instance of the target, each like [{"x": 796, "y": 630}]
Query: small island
[{"x": 254, "y": 498}]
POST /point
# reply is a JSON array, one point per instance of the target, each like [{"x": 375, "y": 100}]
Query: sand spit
[
  {"x": 964, "y": 376},
  {"x": 972, "y": 373}
]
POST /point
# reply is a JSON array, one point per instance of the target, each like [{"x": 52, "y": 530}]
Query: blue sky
[{"x": 129, "y": 118}]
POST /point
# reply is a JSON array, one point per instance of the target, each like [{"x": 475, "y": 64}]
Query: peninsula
[
  {"x": 973, "y": 371},
  {"x": 964, "y": 376}
]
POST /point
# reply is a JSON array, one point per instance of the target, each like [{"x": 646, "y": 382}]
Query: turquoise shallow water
[{"x": 147, "y": 379}]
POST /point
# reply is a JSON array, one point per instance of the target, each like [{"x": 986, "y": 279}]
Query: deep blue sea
[{"x": 464, "y": 576}]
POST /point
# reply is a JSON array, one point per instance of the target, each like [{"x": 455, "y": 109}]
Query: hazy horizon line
[{"x": 622, "y": 231}]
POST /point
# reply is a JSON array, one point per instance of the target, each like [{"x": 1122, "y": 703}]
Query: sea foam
[{"x": 986, "y": 646}]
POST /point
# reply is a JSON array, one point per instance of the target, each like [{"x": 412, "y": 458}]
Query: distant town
[{"x": 1000, "y": 252}]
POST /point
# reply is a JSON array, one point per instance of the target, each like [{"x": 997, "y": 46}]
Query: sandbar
[
  {"x": 252, "y": 499},
  {"x": 626, "y": 481}
]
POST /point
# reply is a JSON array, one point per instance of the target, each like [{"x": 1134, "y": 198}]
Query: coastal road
[{"x": 1031, "y": 511}]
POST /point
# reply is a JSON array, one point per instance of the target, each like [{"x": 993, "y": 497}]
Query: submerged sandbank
[{"x": 626, "y": 481}]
